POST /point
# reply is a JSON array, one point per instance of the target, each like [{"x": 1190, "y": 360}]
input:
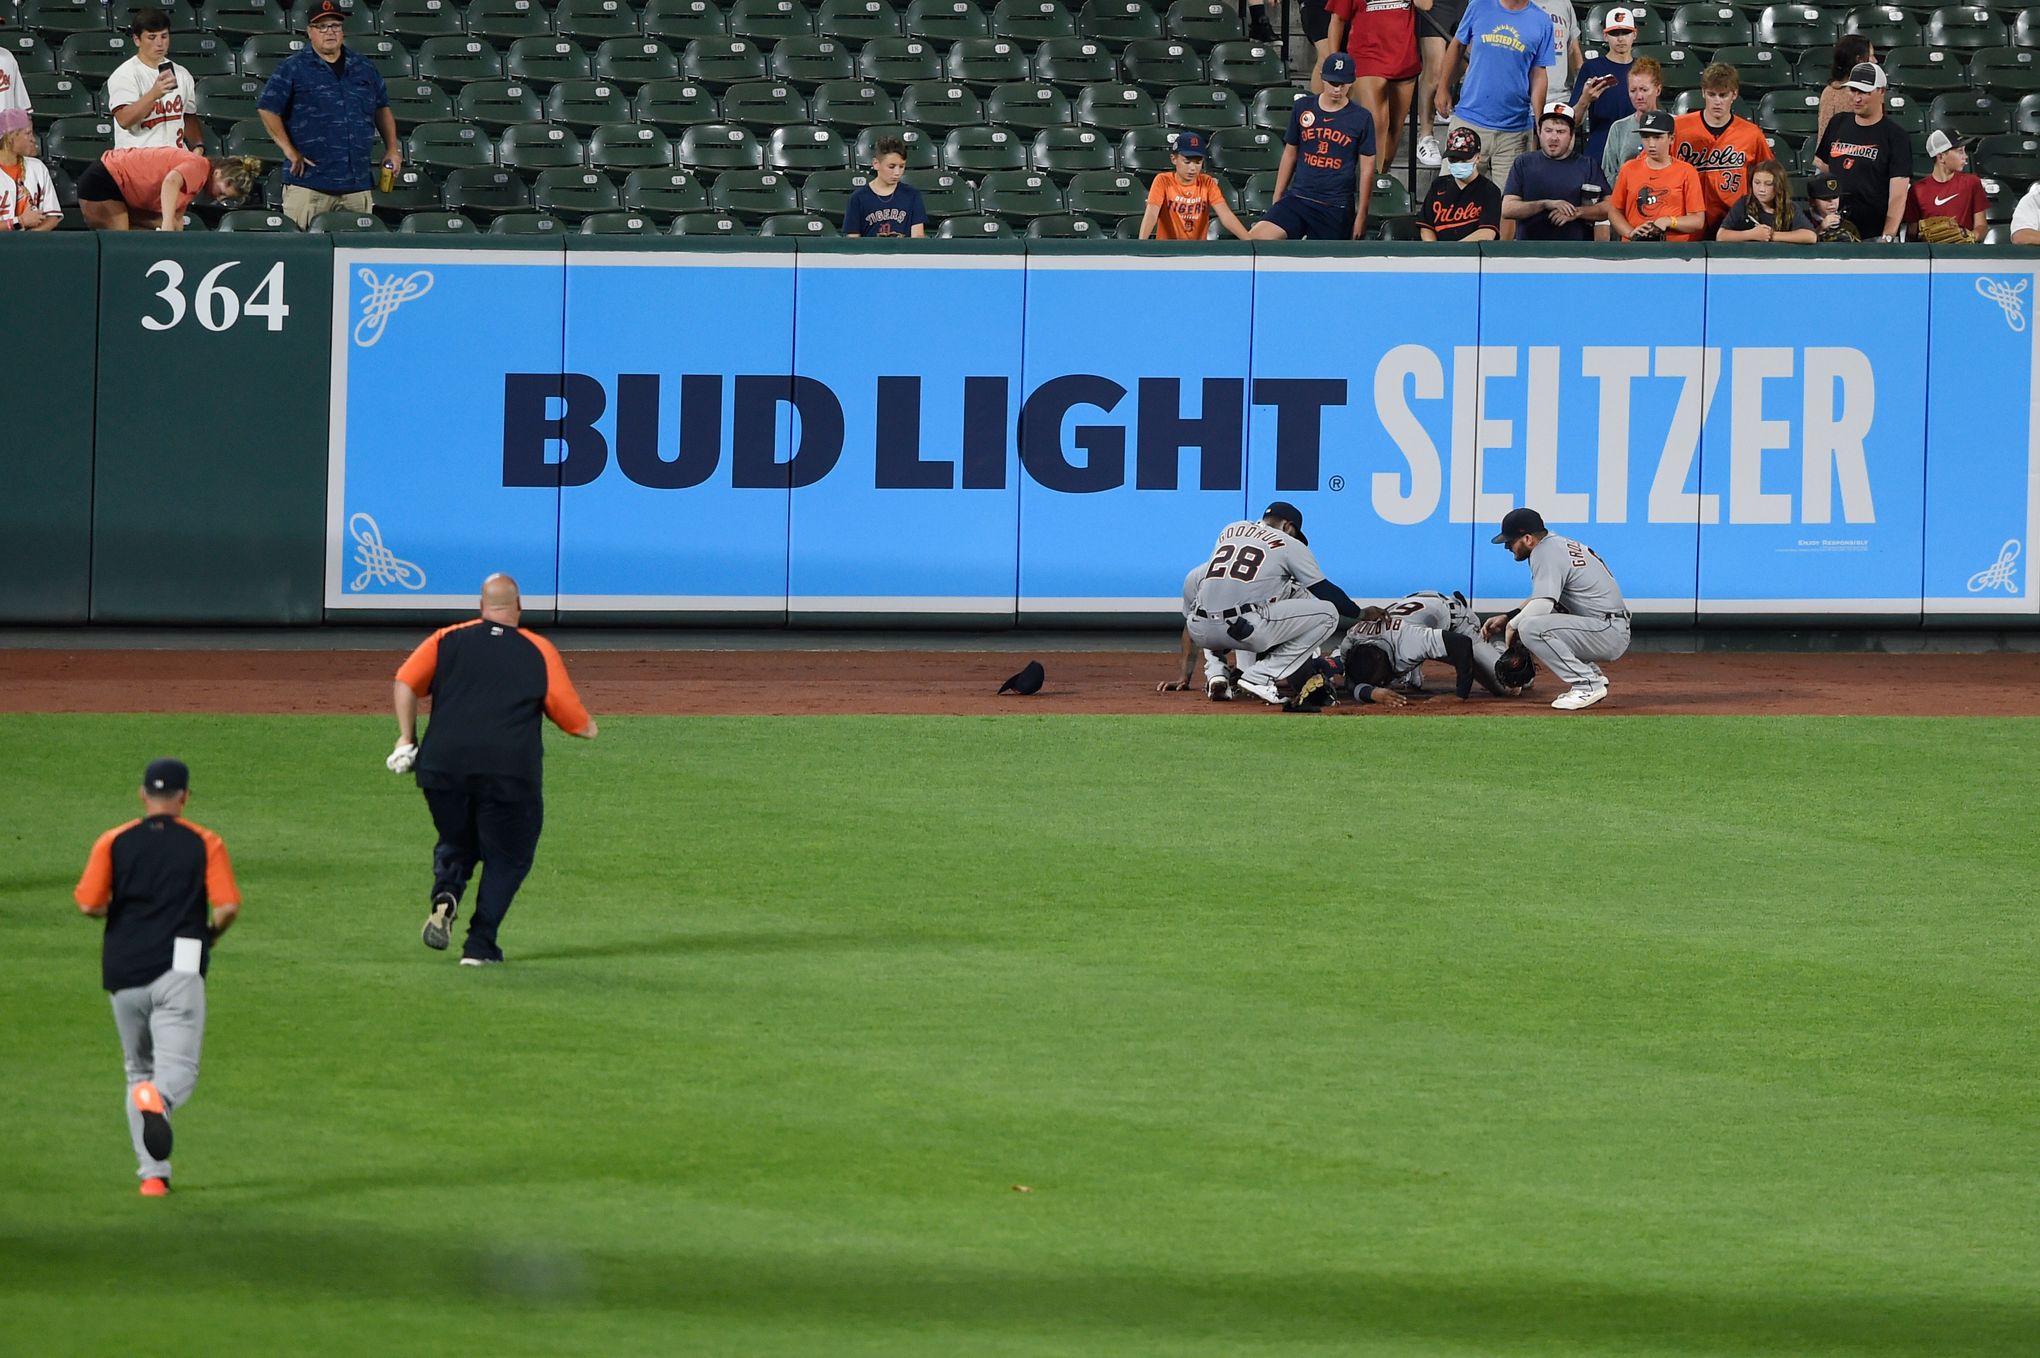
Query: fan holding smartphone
[{"x": 151, "y": 96}]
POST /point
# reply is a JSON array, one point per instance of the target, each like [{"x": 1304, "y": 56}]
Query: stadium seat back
[
  {"x": 417, "y": 20},
  {"x": 256, "y": 219},
  {"x": 1798, "y": 28},
  {"x": 591, "y": 22},
  {"x": 334, "y": 223},
  {"x": 1065, "y": 226},
  {"x": 1066, "y": 151},
  {"x": 923, "y": 153},
  {"x": 898, "y": 62},
  {"x": 720, "y": 146},
  {"x": 941, "y": 104},
  {"x": 1245, "y": 150},
  {"x": 1108, "y": 195},
  {"x": 1965, "y": 28},
  {"x": 432, "y": 222},
  {"x": 1114, "y": 108},
  {"x": 664, "y": 192},
  {"x": 496, "y": 104},
  {"x": 527, "y": 224},
  {"x": 573, "y": 193},
  {"x": 1146, "y": 150},
  {"x": 484, "y": 191},
  {"x": 619, "y": 224},
  {"x": 1205, "y": 108},
  {"x": 753, "y": 195},
  {"x": 587, "y": 104},
  {"x": 243, "y": 18},
  {"x": 412, "y": 101},
  {"x": 1886, "y": 26},
  {"x": 1027, "y": 106},
  {"x": 982, "y": 149},
  {"x": 682, "y": 21},
  {"x": 676, "y": 104},
  {"x": 807, "y": 225},
  {"x": 1118, "y": 22},
  {"x": 1032, "y": 21},
  {"x": 1161, "y": 62},
  {"x": 2008, "y": 72},
  {"x": 454, "y": 61},
  {"x": 810, "y": 61},
  {"x": 1205, "y": 23},
  {"x": 503, "y": 22},
  {"x": 1073, "y": 63},
  {"x": 1019, "y": 196},
  {"x": 986, "y": 62},
  {"x": 945, "y": 21},
  {"x": 92, "y": 57},
  {"x": 1925, "y": 71},
  {"x": 630, "y": 146},
  {"x": 1248, "y": 66},
  {"x": 539, "y": 146},
  {"x": 764, "y": 104},
  {"x": 857, "y": 21},
  {"x": 974, "y": 226},
  {"x": 769, "y": 21},
  {"x": 707, "y": 224},
  {"x": 827, "y": 192},
  {"x": 722, "y": 62},
  {"x": 853, "y": 105},
  {"x": 547, "y": 61},
  {"x": 805, "y": 150},
  {"x": 634, "y": 61},
  {"x": 947, "y": 195},
  {"x": 449, "y": 145}
]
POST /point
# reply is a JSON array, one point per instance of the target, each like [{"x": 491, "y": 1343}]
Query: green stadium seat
[
  {"x": 808, "y": 225},
  {"x": 1118, "y": 22},
  {"x": 92, "y": 57},
  {"x": 765, "y": 104},
  {"x": 1114, "y": 108},
  {"x": 1887, "y": 26},
  {"x": 940, "y": 104},
  {"x": 1793, "y": 114},
  {"x": 1019, "y": 196},
  {"x": 33, "y": 55},
  {"x": 337, "y": 223},
  {"x": 810, "y": 62},
  {"x": 1391, "y": 198},
  {"x": 720, "y": 146},
  {"x": 1065, "y": 226},
  {"x": 676, "y": 104},
  {"x": 1271, "y": 107},
  {"x": 618, "y": 224},
  {"x": 630, "y": 146},
  {"x": 1108, "y": 194},
  {"x": 857, "y": 21},
  {"x": 1650, "y": 25},
  {"x": 1161, "y": 62},
  {"x": 2008, "y": 72},
  {"x": 1032, "y": 21},
  {"x": 539, "y": 146},
  {"x": 527, "y": 224},
  {"x": 770, "y": 21},
  {"x": 416, "y": 20},
  {"x": 720, "y": 63},
  {"x": 183, "y": 15},
  {"x": 1965, "y": 28},
  {"x": 1027, "y": 106},
  {"x": 433, "y": 222},
  {"x": 945, "y": 21},
  {"x": 547, "y": 61},
  {"x": 1128, "y": 229},
  {"x": 1399, "y": 229},
  {"x": 1248, "y": 65},
  {"x": 414, "y": 189},
  {"x": 682, "y": 21},
  {"x": 1245, "y": 150},
  {"x": 753, "y": 195},
  {"x": 805, "y": 150},
  {"x": 1798, "y": 28},
  {"x": 1073, "y": 63},
  {"x": 664, "y": 192},
  {"x": 485, "y": 191},
  {"x": 593, "y": 22},
  {"x": 827, "y": 192},
  {"x": 496, "y": 104},
  {"x": 250, "y": 138},
  {"x": 898, "y": 62},
  {"x": 503, "y": 22},
  {"x": 986, "y": 62},
  {"x": 631, "y": 62},
  {"x": 1682, "y": 66},
  {"x": 1205, "y": 23},
  {"x": 77, "y": 141},
  {"x": 707, "y": 224},
  {"x": 1688, "y": 101},
  {"x": 1708, "y": 26},
  {"x": 587, "y": 104},
  {"x": 973, "y": 226},
  {"x": 2013, "y": 156},
  {"x": 1257, "y": 194},
  {"x": 391, "y": 57},
  {"x": 1909, "y": 114},
  {"x": 571, "y": 194},
  {"x": 947, "y": 195},
  {"x": 412, "y": 101},
  {"x": 453, "y": 62},
  {"x": 2026, "y": 28},
  {"x": 448, "y": 145},
  {"x": 923, "y": 154},
  {"x": 1066, "y": 151},
  {"x": 852, "y": 105},
  {"x": 2026, "y": 118},
  {"x": 1761, "y": 69},
  {"x": 243, "y": 18},
  {"x": 55, "y": 95},
  {"x": 1970, "y": 115},
  {"x": 978, "y": 150},
  {"x": 1207, "y": 108},
  {"x": 1925, "y": 71},
  {"x": 1146, "y": 150},
  {"x": 256, "y": 219}
]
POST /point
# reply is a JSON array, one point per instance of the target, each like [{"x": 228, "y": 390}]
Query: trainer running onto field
[
  {"x": 1575, "y": 615},
  {"x": 152, "y": 881},
  {"x": 479, "y": 766}
]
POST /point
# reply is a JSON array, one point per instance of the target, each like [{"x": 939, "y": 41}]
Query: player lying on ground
[
  {"x": 1220, "y": 675},
  {"x": 1391, "y": 646}
]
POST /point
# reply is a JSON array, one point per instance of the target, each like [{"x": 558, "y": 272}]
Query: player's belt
[
  {"x": 1616, "y": 617},
  {"x": 1226, "y": 614}
]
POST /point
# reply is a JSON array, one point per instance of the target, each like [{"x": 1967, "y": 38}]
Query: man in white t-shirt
[
  {"x": 13, "y": 94},
  {"x": 2026, "y": 218},
  {"x": 152, "y": 105}
]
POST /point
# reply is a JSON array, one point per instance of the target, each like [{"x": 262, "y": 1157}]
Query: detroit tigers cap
[
  {"x": 1338, "y": 69},
  {"x": 1517, "y": 522},
  {"x": 1866, "y": 77},
  {"x": 1941, "y": 140},
  {"x": 326, "y": 9},
  {"x": 1282, "y": 509},
  {"x": 1189, "y": 145},
  {"x": 1657, "y": 122},
  {"x": 165, "y": 776},
  {"x": 1823, "y": 186},
  {"x": 1619, "y": 21}
]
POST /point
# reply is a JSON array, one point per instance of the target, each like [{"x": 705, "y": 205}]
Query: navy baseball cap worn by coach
[
  {"x": 166, "y": 777},
  {"x": 1517, "y": 522}
]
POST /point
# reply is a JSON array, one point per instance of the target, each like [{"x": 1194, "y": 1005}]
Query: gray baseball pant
[
  {"x": 1569, "y": 644},
  {"x": 162, "y": 1026},
  {"x": 1285, "y": 634}
]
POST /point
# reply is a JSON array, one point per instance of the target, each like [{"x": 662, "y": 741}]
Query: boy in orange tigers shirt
[{"x": 1181, "y": 203}]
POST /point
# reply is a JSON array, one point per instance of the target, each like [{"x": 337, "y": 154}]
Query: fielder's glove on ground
[{"x": 402, "y": 758}]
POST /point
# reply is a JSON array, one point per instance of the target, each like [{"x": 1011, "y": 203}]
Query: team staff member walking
[
  {"x": 152, "y": 881},
  {"x": 1575, "y": 614},
  {"x": 479, "y": 767}
]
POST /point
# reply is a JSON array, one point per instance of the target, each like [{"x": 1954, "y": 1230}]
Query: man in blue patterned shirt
[{"x": 322, "y": 109}]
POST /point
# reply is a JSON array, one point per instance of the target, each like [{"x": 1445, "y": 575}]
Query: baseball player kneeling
[
  {"x": 1389, "y": 646},
  {"x": 1262, "y": 596},
  {"x": 1575, "y": 615}
]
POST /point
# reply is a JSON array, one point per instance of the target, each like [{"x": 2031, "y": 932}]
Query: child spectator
[
  {"x": 1601, "y": 90},
  {"x": 1624, "y": 143},
  {"x": 1824, "y": 213},
  {"x": 1463, "y": 204},
  {"x": 145, "y": 187},
  {"x": 1767, "y": 213},
  {"x": 1326, "y": 178},
  {"x": 1182, "y": 202},
  {"x": 1949, "y": 206},
  {"x": 1557, "y": 194},
  {"x": 151, "y": 96},
  {"x": 1381, "y": 37},
  {"x": 1721, "y": 146},
  {"x": 28, "y": 196},
  {"x": 1657, "y": 195},
  {"x": 886, "y": 208}
]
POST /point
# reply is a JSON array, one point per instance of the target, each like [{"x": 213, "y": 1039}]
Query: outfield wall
[{"x": 980, "y": 433}]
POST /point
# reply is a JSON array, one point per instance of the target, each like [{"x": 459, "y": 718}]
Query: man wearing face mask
[{"x": 1463, "y": 204}]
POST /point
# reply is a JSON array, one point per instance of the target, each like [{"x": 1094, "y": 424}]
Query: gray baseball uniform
[
  {"x": 1412, "y": 630},
  {"x": 1252, "y": 596},
  {"x": 1592, "y": 621}
]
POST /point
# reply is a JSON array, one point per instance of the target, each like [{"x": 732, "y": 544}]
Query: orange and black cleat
[
  {"x": 155, "y": 1188},
  {"x": 155, "y": 1121}
]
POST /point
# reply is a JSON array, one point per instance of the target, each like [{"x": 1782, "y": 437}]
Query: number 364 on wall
[{"x": 214, "y": 302}]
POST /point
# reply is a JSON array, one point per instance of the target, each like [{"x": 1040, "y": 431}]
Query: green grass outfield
[{"x": 1599, "y": 1037}]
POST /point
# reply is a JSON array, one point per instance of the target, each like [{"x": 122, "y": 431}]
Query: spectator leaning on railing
[
  {"x": 1600, "y": 92},
  {"x": 1824, "y": 211},
  {"x": 1657, "y": 196},
  {"x": 1624, "y": 143},
  {"x": 1948, "y": 206},
  {"x": 1556, "y": 194},
  {"x": 1766, "y": 214},
  {"x": 152, "y": 97},
  {"x": 1326, "y": 177},
  {"x": 322, "y": 109},
  {"x": 1182, "y": 202},
  {"x": 1463, "y": 204},
  {"x": 886, "y": 208},
  {"x": 28, "y": 196},
  {"x": 1871, "y": 156},
  {"x": 1718, "y": 144},
  {"x": 1509, "y": 51}
]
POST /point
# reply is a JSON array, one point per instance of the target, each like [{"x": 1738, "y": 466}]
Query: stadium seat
[
  {"x": 503, "y": 22},
  {"x": 978, "y": 150},
  {"x": 416, "y": 20},
  {"x": 414, "y": 190},
  {"x": 1245, "y": 150},
  {"x": 809, "y": 225},
  {"x": 769, "y": 21},
  {"x": 2026, "y": 118},
  {"x": 947, "y": 195},
  {"x": 753, "y": 195},
  {"x": 945, "y": 21},
  {"x": 496, "y": 104},
  {"x": 1793, "y": 114},
  {"x": 1886, "y": 26},
  {"x": 898, "y": 62},
  {"x": 2007, "y": 72},
  {"x": 675, "y": 104},
  {"x": 1073, "y": 63},
  {"x": 1650, "y": 25},
  {"x": 827, "y": 193},
  {"x": 1400, "y": 229},
  {"x": 336, "y": 223},
  {"x": 547, "y": 61},
  {"x": 618, "y": 224},
  {"x": 720, "y": 63},
  {"x": 243, "y": 18},
  {"x": 630, "y": 146},
  {"x": 1708, "y": 26},
  {"x": 1161, "y": 62},
  {"x": 1760, "y": 69},
  {"x": 250, "y": 138},
  {"x": 431, "y": 222},
  {"x": 1206, "y": 108},
  {"x": 77, "y": 141},
  {"x": 857, "y": 21},
  {"x": 2002, "y": 197},
  {"x": 1128, "y": 229},
  {"x": 412, "y": 101},
  {"x": 205, "y": 54},
  {"x": 539, "y": 146},
  {"x": 2014, "y": 156},
  {"x": 1026, "y": 106},
  {"x": 852, "y": 105},
  {"x": 32, "y": 54},
  {"x": 527, "y": 224},
  {"x": 940, "y": 104},
  {"x": 256, "y": 219},
  {"x": 448, "y": 145},
  {"x": 1146, "y": 150},
  {"x": 764, "y": 104},
  {"x": 973, "y": 226},
  {"x": 1924, "y": 71},
  {"x": 453, "y": 62},
  {"x": 1118, "y": 22},
  {"x": 1909, "y": 114},
  {"x": 62, "y": 96},
  {"x": 1271, "y": 108},
  {"x": 1682, "y": 66},
  {"x": 1205, "y": 23},
  {"x": 1108, "y": 195},
  {"x": 1688, "y": 101},
  {"x": 1066, "y": 151},
  {"x": 571, "y": 194},
  {"x": 682, "y": 21},
  {"x": 631, "y": 62},
  {"x": 587, "y": 104},
  {"x": 1965, "y": 28},
  {"x": 1019, "y": 196},
  {"x": 985, "y": 62},
  {"x": 1248, "y": 66},
  {"x": 1032, "y": 21},
  {"x": 809, "y": 62},
  {"x": 1065, "y": 226},
  {"x": 664, "y": 192},
  {"x": 922, "y": 151},
  {"x": 1970, "y": 115},
  {"x": 92, "y": 57},
  {"x": 1797, "y": 28},
  {"x": 720, "y": 146},
  {"x": 1391, "y": 198},
  {"x": 1257, "y": 194},
  {"x": 594, "y": 22},
  {"x": 1114, "y": 108},
  {"x": 485, "y": 191},
  {"x": 707, "y": 224},
  {"x": 182, "y": 14},
  {"x": 805, "y": 150},
  {"x": 2026, "y": 28}
]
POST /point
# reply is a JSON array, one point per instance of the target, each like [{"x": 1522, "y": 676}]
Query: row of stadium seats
[{"x": 1060, "y": 226}]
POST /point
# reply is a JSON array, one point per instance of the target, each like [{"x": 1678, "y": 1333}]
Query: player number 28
[
  {"x": 1242, "y": 563},
  {"x": 216, "y": 305}
]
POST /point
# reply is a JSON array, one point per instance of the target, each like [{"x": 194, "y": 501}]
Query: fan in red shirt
[
  {"x": 1950, "y": 196},
  {"x": 1381, "y": 36}
]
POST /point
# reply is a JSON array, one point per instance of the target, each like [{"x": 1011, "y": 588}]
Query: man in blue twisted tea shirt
[{"x": 1327, "y": 172}]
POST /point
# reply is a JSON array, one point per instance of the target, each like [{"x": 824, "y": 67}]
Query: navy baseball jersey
[
  {"x": 1328, "y": 149},
  {"x": 867, "y": 214}
]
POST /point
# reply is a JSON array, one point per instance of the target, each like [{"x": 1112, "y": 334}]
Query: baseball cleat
[
  {"x": 438, "y": 930},
  {"x": 155, "y": 1188},
  {"x": 1219, "y": 690},
  {"x": 155, "y": 1119},
  {"x": 1579, "y": 696},
  {"x": 481, "y": 961},
  {"x": 1266, "y": 692}
]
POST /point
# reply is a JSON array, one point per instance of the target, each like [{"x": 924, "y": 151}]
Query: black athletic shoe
[
  {"x": 439, "y": 924},
  {"x": 1258, "y": 27},
  {"x": 1459, "y": 650}
]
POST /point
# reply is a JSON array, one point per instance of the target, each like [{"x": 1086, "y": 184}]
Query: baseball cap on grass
[
  {"x": 1462, "y": 144},
  {"x": 1338, "y": 69},
  {"x": 165, "y": 777},
  {"x": 1657, "y": 122},
  {"x": 1189, "y": 145},
  {"x": 1941, "y": 140},
  {"x": 1619, "y": 21},
  {"x": 1517, "y": 522},
  {"x": 1823, "y": 186},
  {"x": 1866, "y": 77}
]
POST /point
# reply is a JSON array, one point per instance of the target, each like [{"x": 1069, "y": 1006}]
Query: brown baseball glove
[{"x": 1943, "y": 231}]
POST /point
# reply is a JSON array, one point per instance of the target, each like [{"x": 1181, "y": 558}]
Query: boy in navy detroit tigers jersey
[
  {"x": 1327, "y": 172},
  {"x": 885, "y": 206}
]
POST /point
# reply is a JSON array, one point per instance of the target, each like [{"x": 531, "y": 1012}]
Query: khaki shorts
[
  {"x": 301, "y": 204},
  {"x": 1498, "y": 150}
]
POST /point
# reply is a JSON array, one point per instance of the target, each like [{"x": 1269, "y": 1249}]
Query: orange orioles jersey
[{"x": 1723, "y": 160}]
